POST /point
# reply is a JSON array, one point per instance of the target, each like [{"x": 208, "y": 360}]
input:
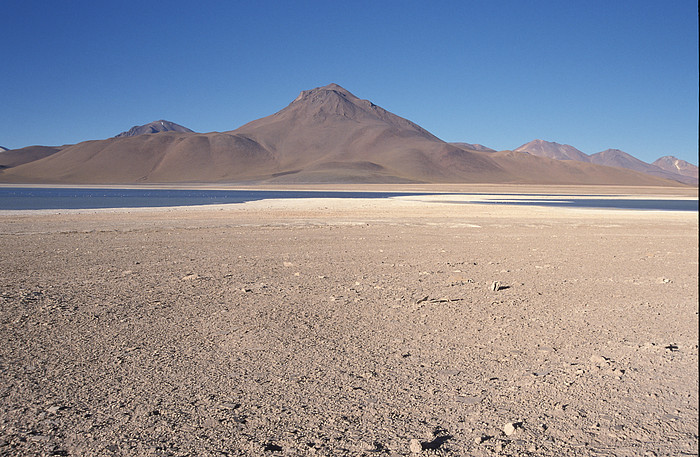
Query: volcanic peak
[
  {"x": 333, "y": 103},
  {"x": 154, "y": 127}
]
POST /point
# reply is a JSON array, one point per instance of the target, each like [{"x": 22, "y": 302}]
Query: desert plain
[{"x": 338, "y": 327}]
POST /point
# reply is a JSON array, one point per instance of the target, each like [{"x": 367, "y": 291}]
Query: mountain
[
  {"x": 536, "y": 170},
  {"x": 551, "y": 150},
  {"x": 617, "y": 158},
  {"x": 675, "y": 165},
  {"x": 609, "y": 158},
  {"x": 621, "y": 159},
  {"x": 473, "y": 147},
  {"x": 154, "y": 127},
  {"x": 14, "y": 157},
  {"x": 326, "y": 134}
]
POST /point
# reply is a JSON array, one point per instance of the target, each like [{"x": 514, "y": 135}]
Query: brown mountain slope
[
  {"x": 166, "y": 157},
  {"x": 328, "y": 134},
  {"x": 13, "y": 157},
  {"x": 551, "y": 150},
  {"x": 325, "y": 135}
]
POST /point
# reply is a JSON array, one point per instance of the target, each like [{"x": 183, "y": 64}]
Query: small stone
[
  {"x": 480, "y": 439},
  {"x": 599, "y": 360},
  {"x": 495, "y": 286},
  {"x": 415, "y": 446},
  {"x": 53, "y": 409},
  {"x": 509, "y": 428},
  {"x": 190, "y": 277}
]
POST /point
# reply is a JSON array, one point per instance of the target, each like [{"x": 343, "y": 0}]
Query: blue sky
[{"x": 593, "y": 74}]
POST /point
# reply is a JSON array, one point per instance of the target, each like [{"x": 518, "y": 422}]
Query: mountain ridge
[
  {"x": 154, "y": 127},
  {"x": 325, "y": 134},
  {"x": 552, "y": 150}
]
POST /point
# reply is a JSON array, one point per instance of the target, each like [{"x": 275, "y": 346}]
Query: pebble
[
  {"x": 480, "y": 439},
  {"x": 509, "y": 428},
  {"x": 415, "y": 446},
  {"x": 190, "y": 277},
  {"x": 599, "y": 360}
]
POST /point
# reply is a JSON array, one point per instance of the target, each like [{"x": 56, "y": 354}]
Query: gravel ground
[{"x": 333, "y": 329}]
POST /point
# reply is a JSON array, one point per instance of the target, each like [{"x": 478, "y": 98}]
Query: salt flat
[{"x": 350, "y": 327}]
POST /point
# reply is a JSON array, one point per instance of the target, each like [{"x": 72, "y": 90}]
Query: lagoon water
[{"x": 25, "y": 198}]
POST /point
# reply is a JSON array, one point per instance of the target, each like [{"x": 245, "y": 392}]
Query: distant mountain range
[
  {"x": 326, "y": 135},
  {"x": 154, "y": 127},
  {"x": 673, "y": 168}
]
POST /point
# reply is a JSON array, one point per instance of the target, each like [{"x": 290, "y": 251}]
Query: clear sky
[{"x": 592, "y": 74}]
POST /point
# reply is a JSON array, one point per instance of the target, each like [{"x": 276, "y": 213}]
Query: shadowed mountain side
[
  {"x": 14, "y": 157},
  {"x": 541, "y": 170},
  {"x": 166, "y": 157}
]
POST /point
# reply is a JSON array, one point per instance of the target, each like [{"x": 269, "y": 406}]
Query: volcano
[{"x": 325, "y": 135}]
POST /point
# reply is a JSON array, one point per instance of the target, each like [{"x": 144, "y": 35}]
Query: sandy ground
[{"x": 348, "y": 328}]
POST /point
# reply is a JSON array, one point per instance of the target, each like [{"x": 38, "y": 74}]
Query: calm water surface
[{"x": 25, "y": 198}]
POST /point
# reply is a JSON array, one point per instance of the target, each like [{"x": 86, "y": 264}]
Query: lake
[{"x": 26, "y": 198}]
